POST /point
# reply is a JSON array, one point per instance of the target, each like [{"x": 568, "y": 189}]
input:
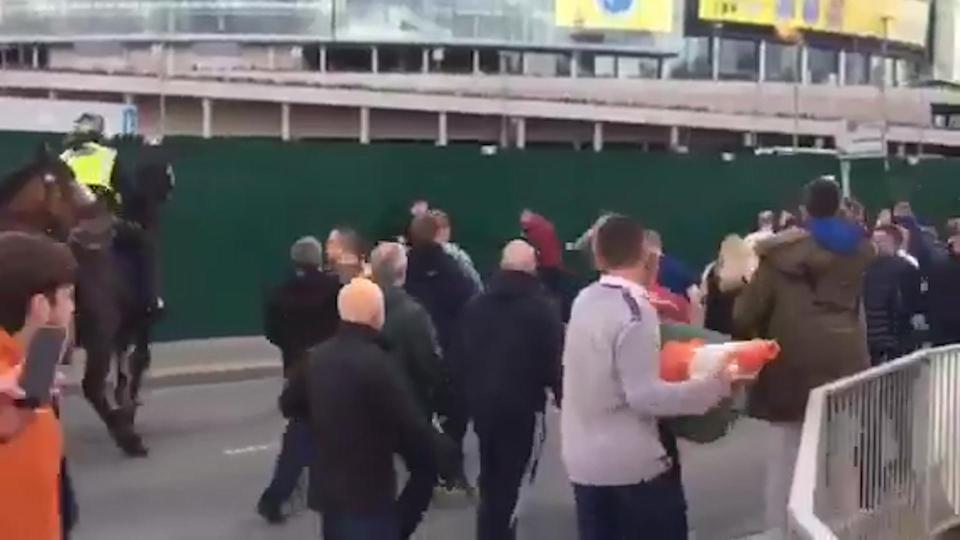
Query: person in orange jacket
[{"x": 36, "y": 290}]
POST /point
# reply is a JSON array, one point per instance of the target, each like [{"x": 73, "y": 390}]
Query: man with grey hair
[
  {"x": 300, "y": 314},
  {"x": 508, "y": 355},
  {"x": 413, "y": 341}
]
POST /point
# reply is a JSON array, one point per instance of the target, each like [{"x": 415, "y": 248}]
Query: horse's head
[{"x": 44, "y": 196}]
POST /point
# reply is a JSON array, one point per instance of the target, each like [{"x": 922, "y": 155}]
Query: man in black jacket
[
  {"x": 412, "y": 338},
  {"x": 944, "y": 296},
  {"x": 299, "y": 315},
  {"x": 408, "y": 327},
  {"x": 361, "y": 412},
  {"x": 891, "y": 292},
  {"x": 435, "y": 279},
  {"x": 512, "y": 340}
]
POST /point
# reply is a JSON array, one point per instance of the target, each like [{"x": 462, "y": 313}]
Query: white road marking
[{"x": 247, "y": 450}]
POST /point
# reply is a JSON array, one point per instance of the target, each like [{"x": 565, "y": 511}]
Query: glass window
[
  {"x": 738, "y": 60},
  {"x": 637, "y": 68},
  {"x": 512, "y": 62},
  {"x": 822, "y": 64},
  {"x": 693, "y": 61},
  {"x": 856, "y": 67},
  {"x": 604, "y": 65},
  {"x": 908, "y": 72},
  {"x": 782, "y": 62}
]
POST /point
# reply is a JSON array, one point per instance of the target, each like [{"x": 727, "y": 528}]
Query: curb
[{"x": 193, "y": 376}]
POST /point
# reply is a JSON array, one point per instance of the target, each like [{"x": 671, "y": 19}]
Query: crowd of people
[
  {"x": 397, "y": 350},
  {"x": 424, "y": 347}
]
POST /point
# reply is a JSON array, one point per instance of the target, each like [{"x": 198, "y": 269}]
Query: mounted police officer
[
  {"x": 97, "y": 166},
  {"x": 93, "y": 164}
]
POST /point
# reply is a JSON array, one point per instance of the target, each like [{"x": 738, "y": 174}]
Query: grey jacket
[{"x": 612, "y": 391}]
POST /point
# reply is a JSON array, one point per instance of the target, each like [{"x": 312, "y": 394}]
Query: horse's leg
[
  {"x": 140, "y": 359},
  {"x": 95, "y": 378},
  {"x": 119, "y": 420}
]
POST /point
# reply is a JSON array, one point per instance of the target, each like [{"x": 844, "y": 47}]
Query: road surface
[{"x": 212, "y": 449}]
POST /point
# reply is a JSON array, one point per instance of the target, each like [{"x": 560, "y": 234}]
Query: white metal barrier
[{"x": 880, "y": 453}]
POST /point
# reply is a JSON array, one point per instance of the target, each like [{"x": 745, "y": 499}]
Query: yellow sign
[
  {"x": 899, "y": 20},
  {"x": 627, "y": 15}
]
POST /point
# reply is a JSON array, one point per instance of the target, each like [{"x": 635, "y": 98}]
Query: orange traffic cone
[{"x": 681, "y": 361}]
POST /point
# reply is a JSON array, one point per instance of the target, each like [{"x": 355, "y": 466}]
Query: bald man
[
  {"x": 509, "y": 352},
  {"x": 361, "y": 413}
]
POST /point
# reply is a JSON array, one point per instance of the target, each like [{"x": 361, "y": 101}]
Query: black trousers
[
  {"x": 653, "y": 510},
  {"x": 506, "y": 448}
]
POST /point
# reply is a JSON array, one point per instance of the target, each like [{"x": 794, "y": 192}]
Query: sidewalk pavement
[{"x": 184, "y": 363}]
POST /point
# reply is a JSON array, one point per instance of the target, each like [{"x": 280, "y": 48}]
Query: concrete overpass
[{"x": 509, "y": 110}]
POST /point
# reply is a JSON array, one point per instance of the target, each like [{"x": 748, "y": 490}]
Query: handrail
[{"x": 910, "y": 400}]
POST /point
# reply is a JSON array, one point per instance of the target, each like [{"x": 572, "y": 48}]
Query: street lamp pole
[
  {"x": 333, "y": 20},
  {"x": 884, "y": 122},
  {"x": 797, "y": 77},
  {"x": 790, "y": 32}
]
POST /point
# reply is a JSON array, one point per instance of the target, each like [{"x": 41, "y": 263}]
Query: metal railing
[{"x": 880, "y": 453}]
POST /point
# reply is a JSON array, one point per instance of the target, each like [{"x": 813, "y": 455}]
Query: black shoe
[{"x": 270, "y": 512}]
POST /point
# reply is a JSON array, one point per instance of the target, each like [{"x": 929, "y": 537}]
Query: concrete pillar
[
  {"x": 323, "y": 59},
  {"x": 128, "y": 99},
  {"x": 364, "y": 125},
  {"x": 674, "y": 137},
  {"x": 842, "y": 68},
  {"x": 661, "y": 68},
  {"x": 285, "y": 121},
  {"x": 207, "y": 104},
  {"x": 521, "y": 133},
  {"x": 715, "y": 56},
  {"x": 171, "y": 58},
  {"x": 502, "y": 67},
  {"x": 442, "y": 137},
  {"x": 575, "y": 64},
  {"x": 374, "y": 60},
  {"x": 901, "y": 150},
  {"x": 36, "y": 57},
  {"x": 504, "y": 132},
  {"x": 749, "y": 139},
  {"x": 52, "y": 94},
  {"x": 762, "y": 57},
  {"x": 597, "y": 136},
  {"x": 425, "y": 60},
  {"x": 271, "y": 57},
  {"x": 476, "y": 62},
  {"x": 805, "y": 64}
]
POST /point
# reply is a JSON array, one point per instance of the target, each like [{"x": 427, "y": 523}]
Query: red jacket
[
  {"x": 542, "y": 236},
  {"x": 671, "y": 307}
]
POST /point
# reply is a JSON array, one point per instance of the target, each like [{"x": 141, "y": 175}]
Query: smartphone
[{"x": 44, "y": 354}]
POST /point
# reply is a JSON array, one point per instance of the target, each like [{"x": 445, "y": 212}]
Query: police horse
[{"x": 113, "y": 322}]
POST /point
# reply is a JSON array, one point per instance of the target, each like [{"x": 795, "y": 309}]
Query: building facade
[{"x": 666, "y": 65}]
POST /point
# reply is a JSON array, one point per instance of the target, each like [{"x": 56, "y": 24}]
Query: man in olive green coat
[{"x": 806, "y": 294}]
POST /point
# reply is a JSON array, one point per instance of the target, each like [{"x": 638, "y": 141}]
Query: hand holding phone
[{"x": 44, "y": 354}]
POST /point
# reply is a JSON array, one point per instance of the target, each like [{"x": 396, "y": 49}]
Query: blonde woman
[{"x": 723, "y": 280}]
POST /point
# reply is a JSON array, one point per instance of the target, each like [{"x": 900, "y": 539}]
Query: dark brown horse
[{"x": 44, "y": 197}]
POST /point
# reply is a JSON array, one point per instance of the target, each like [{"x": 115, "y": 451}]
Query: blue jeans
[
  {"x": 382, "y": 525},
  {"x": 296, "y": 453},
  {"x": 652, "y": 510}
]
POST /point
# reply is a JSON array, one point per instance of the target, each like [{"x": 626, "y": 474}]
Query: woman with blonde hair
[{"x": 723, "y": 280}]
